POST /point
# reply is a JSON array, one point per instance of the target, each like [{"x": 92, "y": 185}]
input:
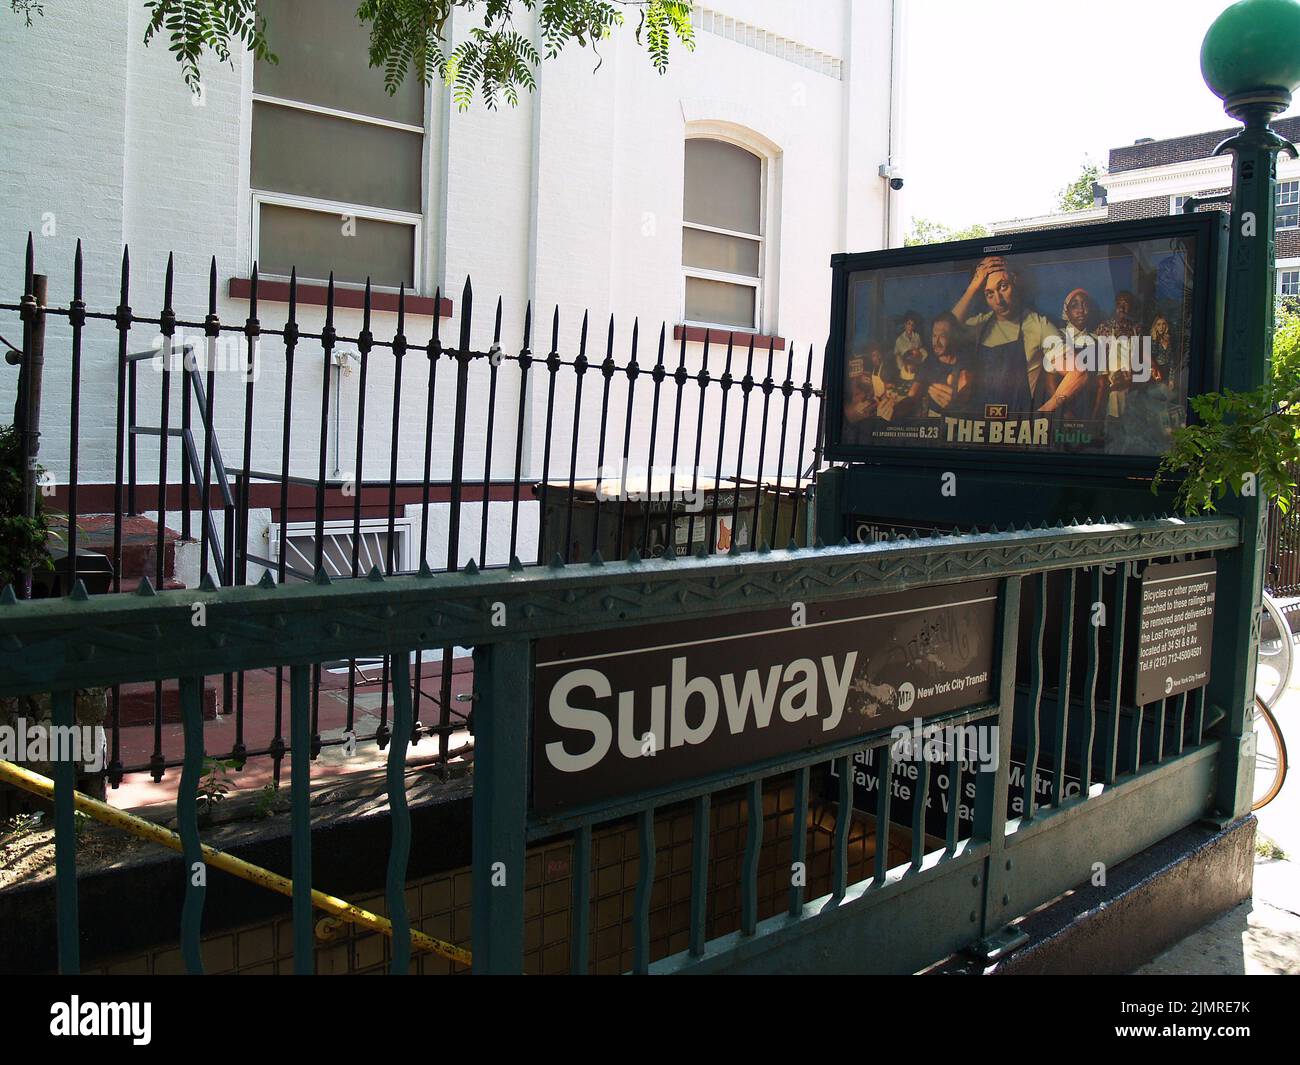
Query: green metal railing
[{"x": 1146, "y": 772}]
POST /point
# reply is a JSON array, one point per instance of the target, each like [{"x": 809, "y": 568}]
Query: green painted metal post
[
  {"x": 304, "y": 944},
  {"x": 992, "y": 785},
  {"x": 399, "y": 850},
  {"x": 1250, "y": 58},
  {"x": 187, "y": 821},
  {"x": 65, "y": 840},
  {"x": 502, "y": 704}
]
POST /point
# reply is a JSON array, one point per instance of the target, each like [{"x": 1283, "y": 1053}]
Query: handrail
[
  {"x": 43, "y": 786},
  {"x": 100, "y": 640}
]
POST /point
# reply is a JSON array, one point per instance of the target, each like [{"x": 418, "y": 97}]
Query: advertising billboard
[{"x": 1081, "y": 342}]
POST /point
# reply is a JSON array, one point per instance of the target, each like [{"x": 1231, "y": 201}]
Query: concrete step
[{"x": 139, "y": 546}]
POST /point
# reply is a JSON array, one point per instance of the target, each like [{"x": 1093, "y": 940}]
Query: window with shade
[
  {"x": 337, "y": 163},
  {"x": 1288, "y": 204},
  {"x": 722, "y": 235}
]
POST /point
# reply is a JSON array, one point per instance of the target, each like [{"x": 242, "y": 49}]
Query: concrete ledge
[{"x": 1149, "y": 902}]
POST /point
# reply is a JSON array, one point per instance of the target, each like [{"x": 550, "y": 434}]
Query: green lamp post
[{"x": 1250, "y": 59}]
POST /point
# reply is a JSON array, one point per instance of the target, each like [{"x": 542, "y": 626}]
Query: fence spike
[
  {"x": 596, "y": 560},
  {"x": 401, "y": 309},
  {"x": 212, "y": 286},
  {"x": 375, "y": 574},
  {"x": 528, "y": 324},
  {"x": 496, "y": 327},
  {"x": 267, "y": 581},
  {"x": 329, "y": 304},
  {"x": 145, "y": 588},
  {"x": 7, "y": 597},
  {"x": 435, "y": 338},
  {"x": 293, "y": 298},
  {"x": 76, "y": 272},
  {"x": 633, "y": 557},
  {"x": 29, "y": 265},
  {"x": 555, "y": 330},
  {"x": 79, "y": 593},
  {"x": 169, "y": 281},
  {"x": 252, "y": 294},
  {"x": 471, "y": 568}
]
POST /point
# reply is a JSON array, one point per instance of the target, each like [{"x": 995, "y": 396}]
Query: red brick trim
[
  {"x": 314, "y": 294},
  {"x": 696, "y": 333}
]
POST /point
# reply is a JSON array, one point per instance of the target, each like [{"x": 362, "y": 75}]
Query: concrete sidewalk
[{"x": 1262, "y": 935}]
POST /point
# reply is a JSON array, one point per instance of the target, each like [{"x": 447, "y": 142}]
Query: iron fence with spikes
[{"x": 577, "y": 475}]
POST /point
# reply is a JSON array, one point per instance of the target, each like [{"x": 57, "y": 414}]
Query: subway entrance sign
[{"x": 625, "y": 711}]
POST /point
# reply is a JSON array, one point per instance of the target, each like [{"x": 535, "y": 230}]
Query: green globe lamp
[
  {"x": 1251, "y": 54},
  {"x": 1250, "y": 59}
]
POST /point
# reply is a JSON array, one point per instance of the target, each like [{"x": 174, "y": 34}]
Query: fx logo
[{"x": 995, "y": 410}]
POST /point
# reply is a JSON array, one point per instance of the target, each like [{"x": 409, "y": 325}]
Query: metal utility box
[{"x": 615, "y": 516}]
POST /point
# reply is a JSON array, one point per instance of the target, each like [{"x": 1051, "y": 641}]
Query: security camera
[
  {"x": 896, "y": 183},
  {"x": 892, "y": 174}
]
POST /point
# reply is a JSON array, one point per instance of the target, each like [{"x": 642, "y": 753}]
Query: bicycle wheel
[
  {"x": 1270, "y": 756},
  {"x": 1276, "y": 654}
]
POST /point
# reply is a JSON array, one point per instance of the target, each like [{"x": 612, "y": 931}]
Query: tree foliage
[
  {"x": 1077, "y": 195},
  {"x": 494, "y": 59},
  {"x": 1245, "y": 442},
  {"x": 927, "y": 231}
]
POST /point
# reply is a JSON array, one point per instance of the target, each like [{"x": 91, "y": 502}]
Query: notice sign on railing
[
  {"x": 624, "y": 711},
  {"x": 1177, "y": 621}
]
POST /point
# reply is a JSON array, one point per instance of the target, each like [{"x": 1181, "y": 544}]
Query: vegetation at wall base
[{"x": 22, "y": 539}]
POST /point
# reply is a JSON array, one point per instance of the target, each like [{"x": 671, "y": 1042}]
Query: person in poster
[
  {"x": 948, "y": 377},
  {"x": 1007, "y": 360},
  {"x": 1122, "y": 326},
  {"x": 1081, "y": 317}
]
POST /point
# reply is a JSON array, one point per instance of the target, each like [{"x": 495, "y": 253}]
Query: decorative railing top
[{"x": 83, "y": 641}]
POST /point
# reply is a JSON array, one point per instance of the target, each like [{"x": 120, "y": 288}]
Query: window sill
[
  {"x": 695, "y": 334},
  {"x": 313, "y": 294}
]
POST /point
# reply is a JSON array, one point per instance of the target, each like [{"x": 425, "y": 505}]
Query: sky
[{"x": 1003, "y": 101}]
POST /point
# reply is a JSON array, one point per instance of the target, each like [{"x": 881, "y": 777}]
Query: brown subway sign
[{"x": 620, "y": 712}]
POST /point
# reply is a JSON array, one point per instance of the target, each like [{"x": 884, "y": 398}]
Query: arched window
[{"x": 722, "y": 234}]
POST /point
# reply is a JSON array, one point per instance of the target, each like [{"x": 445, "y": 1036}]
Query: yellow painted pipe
[{"x": 254, "y": 874}]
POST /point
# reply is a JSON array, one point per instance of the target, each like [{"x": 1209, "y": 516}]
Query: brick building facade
[{"x": 1150, "y": 178}]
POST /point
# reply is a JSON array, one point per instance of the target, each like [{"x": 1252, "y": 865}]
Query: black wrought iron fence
[
  {"x": 245, "y": 435},
  {"x": 1282, "y": 552}
]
